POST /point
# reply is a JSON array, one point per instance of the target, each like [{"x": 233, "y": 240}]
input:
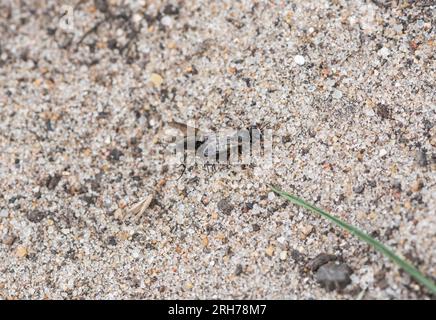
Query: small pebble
[
  {"x": 115, "y": 155},
  {"x": 384, "y": 52},
  {"x": 225, "y": 206},
  {"x": 21, "y": 252},
  {"x": 359, "y": 188},
  {"x": 283, "y": 255},
  {"x": 270, "y": 251},
  {"x": 4, "y": 213},
  {"x": 305, "y": 231},
  {"x": 382, "y": 153},
  {"x": 53, "y": 181},
  {"x": 421, "y": 157},
  {"x": 9, "y": 240},
  {"x": 204, "y": 241},
  {"x": 281, "y": 240},
  {"x": 417, "y": 186},
  {"x": 337, "y": 94},
  {"x": 298, "y": 59},
  {"x": 239, "y": 270},
  {"x": 156, "y": 79},
  {"x": 36, "y": 216},
  {"x": 167, "y": 21}
]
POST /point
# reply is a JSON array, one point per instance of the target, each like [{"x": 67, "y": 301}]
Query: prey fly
[{"x": 225, "y": 147}]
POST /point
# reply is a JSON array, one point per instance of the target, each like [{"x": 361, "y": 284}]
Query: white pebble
[
  {"x": 337, "y": 94},
  {"x": 384, "y": 52},
  {"x": 299, "y": 60},
  {"x": 383, "y": 152},
  {"x": 4, "y": 213},
  {"x": 281, "y": 240},
  {"x": 271, "y": 196},
  {"x": 167, "y": 21}
]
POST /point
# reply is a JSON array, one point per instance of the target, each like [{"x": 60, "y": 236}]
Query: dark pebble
[
  {"x": 238, "y": 270},
  {"x": 359, "y": 188},
  {"x": 52, "y": 181},
  {"x": 112, "y": 44},
  {"x": 332, "y": 276},
  {"x": 297, "y": 256},
  {"x": 51, "y": 31},
  {"x": 115, "y": 155},
  {"x": 383, "y": 111},
  {"x": 101, "y": 5},
  {"x": 421, "y": 158},
  {"x": 255, "y": 227},
  {"x": 225, "y": 206},
  {"x": 320, "y": 260},
  {"x": 171, "y": 10},
  {"x": 396, "y": 185},
  {"x": 36, "y": 216},
  {"x": 112, "y": 241},
  {"x": 372, "y": 183},
  {"x": 90, "y": 200}
]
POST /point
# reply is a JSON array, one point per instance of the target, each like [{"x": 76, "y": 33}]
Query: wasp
[{"x": 225, "y": 147}]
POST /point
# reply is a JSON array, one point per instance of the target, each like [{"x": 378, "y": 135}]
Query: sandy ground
[{"x": 347, "y": 88}]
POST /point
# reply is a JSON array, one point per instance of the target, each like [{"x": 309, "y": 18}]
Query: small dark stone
[
  {"x": 15, "y": 198},
  {"x": 249, "y": 205},
  {"x": 51, "y": 31},
  {"x": 36, "y": 216},
  {"x": 101, "y": 5},
  {"x": 255, "y": 227},
  {"x": 48, "y": 125},
  {"x": 372, "y": 183},
  {"x": 396, "y": 185},
  {"x": 359, "y": 188},
  {"x": 115, "y": 155},
  {"x": 304, "y": 151},
  {"x": 112, "y": 241},
  {"x": 112, "y": 44},
  {"x": 96, "y": 184},
  {"x": 103, "y": 115},
  {"x": 90, "y": 200},
  {"x": 225, "y": 206},
  {"x": 296, "y": 255},
  {"x": 239, "y": 270},
  {"x": 149, "y": 19},
  {"x": 320, "y": 260},
  {"x": 171, "y": 10},
  {"x": 286, "y": 139},
  {"x": 332, "y": 276},
  {"x": 53, "y": 181},
  {"x": 421, "y": 158},
  {"x": 383, "y": 111}
]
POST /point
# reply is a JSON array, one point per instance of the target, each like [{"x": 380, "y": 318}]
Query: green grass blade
[{"x": 406, "y": 266}]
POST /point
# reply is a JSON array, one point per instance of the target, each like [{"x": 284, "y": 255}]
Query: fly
[{"x": 214, "y": 148}]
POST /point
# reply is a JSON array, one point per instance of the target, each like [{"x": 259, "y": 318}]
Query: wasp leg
[
  {"x": 210, "y": 167},
  {"x": 184, "y": 169}
]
